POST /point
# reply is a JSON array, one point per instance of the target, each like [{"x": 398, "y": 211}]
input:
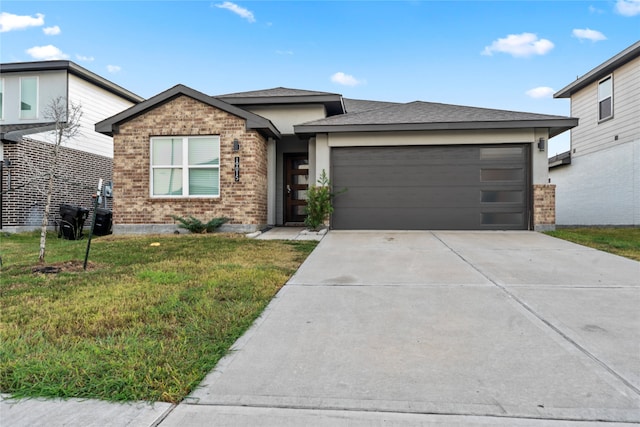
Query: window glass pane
[
  {"x": 604, "y": 89},
  {"x": 29, "y": 98},
  {"x": 501, "y": 196},
  {"x": 604, "y": 109},
  {"x": 204, "y": 182},
  {"x": 204, "y": 151},
  {"x": 167, "y": 182},
  {"x": 167, "y": 151},
  {"x": 501, "y": 174},
  {"x": 494, "y": 218},
  {"x": 495, "y": 153}
]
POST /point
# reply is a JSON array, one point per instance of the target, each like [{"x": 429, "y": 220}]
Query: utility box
[
  {"x": 72, "y": 220},
  {"x": 104, "y": 221}
]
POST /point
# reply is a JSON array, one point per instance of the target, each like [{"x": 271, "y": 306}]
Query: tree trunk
[{"x": 47, "y": 206}]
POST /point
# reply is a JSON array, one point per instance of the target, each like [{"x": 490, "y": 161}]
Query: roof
[
  {"x": 282, "y": 95},
  {"x": 600, "y": 71},
  {"x": 359, "y": 105},
  {"x": 110, "y": 125},
  {"x": 72, "y": 68},
  {"x": 420, "y": 115},
  {"x": 14, "y": 133},
  {"x": 560, "y": 159}
]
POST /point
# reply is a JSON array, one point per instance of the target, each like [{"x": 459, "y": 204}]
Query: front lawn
[
  {"x": 620, "y": 241},
  {"x": 148, "y": 320}
]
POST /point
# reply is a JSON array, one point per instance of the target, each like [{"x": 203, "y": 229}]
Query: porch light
[{"x": 541, "y": 144}]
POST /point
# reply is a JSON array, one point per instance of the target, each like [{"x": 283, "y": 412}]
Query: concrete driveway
[{"x": 437, "y": 328}]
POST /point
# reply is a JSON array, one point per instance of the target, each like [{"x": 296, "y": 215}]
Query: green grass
[
  {"x": 620, "y": 241},
  {"x": 142, "y": 323}
]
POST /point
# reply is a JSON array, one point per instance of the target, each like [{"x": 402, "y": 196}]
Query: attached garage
[{"x": 460, "y": 187}]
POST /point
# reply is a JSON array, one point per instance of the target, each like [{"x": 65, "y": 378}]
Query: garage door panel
[{"x": 431, "y": 187}]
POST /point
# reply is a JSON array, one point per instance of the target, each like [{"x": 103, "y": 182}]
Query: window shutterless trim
[
  {"x": 184, "y": 166},
  {"x": 37, "y": 106},
  {"x": 610, "y": 97}
]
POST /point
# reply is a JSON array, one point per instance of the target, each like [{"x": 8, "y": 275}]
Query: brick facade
[
  {"x": 25, "y": 182},
  {"x": 544, "y": 207},
  {"x": 244, "y": 202}
]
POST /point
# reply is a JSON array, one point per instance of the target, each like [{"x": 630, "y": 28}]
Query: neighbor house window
[
  {"x": 29, "y": 98},
  {"x": 605, "y": 98},
  {"x": 185, "y": 166}
]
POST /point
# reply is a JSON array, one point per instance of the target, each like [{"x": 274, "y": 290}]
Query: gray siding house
[
  {"x": 598, "y": 180},
  {"x": 26, "y": 89}
]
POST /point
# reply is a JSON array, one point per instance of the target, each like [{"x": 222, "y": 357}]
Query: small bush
[
  {"x": 194, "y": 225},
  {"x": 319, "y": 205}
]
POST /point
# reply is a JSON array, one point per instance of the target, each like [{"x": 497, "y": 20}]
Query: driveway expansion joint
[{"x": 546, "y": 322}]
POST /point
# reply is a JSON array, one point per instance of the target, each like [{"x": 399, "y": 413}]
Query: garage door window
[{"x": 501, "y": 174}]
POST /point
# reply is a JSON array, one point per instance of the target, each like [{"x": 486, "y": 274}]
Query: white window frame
[
  {"x": 609, "y": 78},
  {"x": 37, "y": 106},
  {"x": 185, "y": 168}
]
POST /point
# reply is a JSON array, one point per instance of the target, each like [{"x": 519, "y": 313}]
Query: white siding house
[
  {"x": 26, "y": 136},
  {"x": 598, "y": 180}
]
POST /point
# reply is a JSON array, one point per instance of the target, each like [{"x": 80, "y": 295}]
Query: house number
[{"x": 236, "y": 168}]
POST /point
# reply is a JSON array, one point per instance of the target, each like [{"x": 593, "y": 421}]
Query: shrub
[
  {"x": 194, "y": 225},
  {"x": 319, "y": 205}
]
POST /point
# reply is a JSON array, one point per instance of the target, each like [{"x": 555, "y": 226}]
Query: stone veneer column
[{"x": 544, "y": 207}]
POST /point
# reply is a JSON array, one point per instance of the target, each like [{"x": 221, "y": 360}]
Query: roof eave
[
  {"x": 556, "y": 126},
  {"x": 600, "y": 71},
  {"x": 333, "y": 103}
]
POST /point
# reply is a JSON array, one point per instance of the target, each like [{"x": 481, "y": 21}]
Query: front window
[
  {"x": 29, "y": 98},
  {"x": 605, "y": 98},
  {"x": 185, "y": 166}
]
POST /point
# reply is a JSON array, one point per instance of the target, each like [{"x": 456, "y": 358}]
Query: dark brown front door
[{"x": 296, "y": 179}]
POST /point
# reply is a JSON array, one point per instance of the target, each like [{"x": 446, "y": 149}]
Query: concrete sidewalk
[{"x": 421, "y": 328}]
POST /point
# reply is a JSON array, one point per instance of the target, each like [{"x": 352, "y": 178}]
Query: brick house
[
  {"x": 26, "y": 89},
  {"x": 250, "y": 157}
]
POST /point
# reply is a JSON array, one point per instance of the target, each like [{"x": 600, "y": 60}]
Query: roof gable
[
  {"x": 600, "y": 71},
  {"x": 253, "y": 121},
  {"x": 72, "y": 68}
]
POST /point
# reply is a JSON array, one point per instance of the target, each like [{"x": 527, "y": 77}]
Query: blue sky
[{"x": 496, "y": 54}]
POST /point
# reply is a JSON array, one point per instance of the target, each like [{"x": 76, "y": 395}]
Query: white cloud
[
  {"x": 84, "y": 58},
  {"x": 345, "y": 79},
  {"x": 628, "y": 7},
  {"x": 540, "y": 92},
  {"x": 10, "y": 22},
  {"x": 594, "y": 9},
  {"x": 46, "y": 53},
  {"x": 588, "y": 34},
  {"x": 51, "y": 31},
  {"x": 114, "y": 68},
  {"x": 238, "y": 10},
  {"x": 520, "y": 45}
]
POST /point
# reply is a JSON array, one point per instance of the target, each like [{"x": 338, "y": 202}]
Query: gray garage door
[{"x": 465, "y": 187}]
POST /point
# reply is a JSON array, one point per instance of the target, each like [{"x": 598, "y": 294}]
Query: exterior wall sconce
[
  {"x": 236, "y": 145},
  {"x": 541, "y": 144}
]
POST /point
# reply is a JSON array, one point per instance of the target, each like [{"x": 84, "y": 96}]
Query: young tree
[{"x": 66, "y": 118}]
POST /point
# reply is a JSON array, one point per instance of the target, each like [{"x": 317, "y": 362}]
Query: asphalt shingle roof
[
  {"x": 278, "y": 91},
  {"x": 428, "y": 112}
]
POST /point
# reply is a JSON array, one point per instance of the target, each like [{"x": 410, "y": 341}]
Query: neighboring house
[
  {"x": 250, "y": 157},
  {"x": 26, "y": 89},
  {"x": 598, "y": 180}
]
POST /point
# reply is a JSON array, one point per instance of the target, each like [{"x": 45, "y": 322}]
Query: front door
[{"x": 296, "y": 179}]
